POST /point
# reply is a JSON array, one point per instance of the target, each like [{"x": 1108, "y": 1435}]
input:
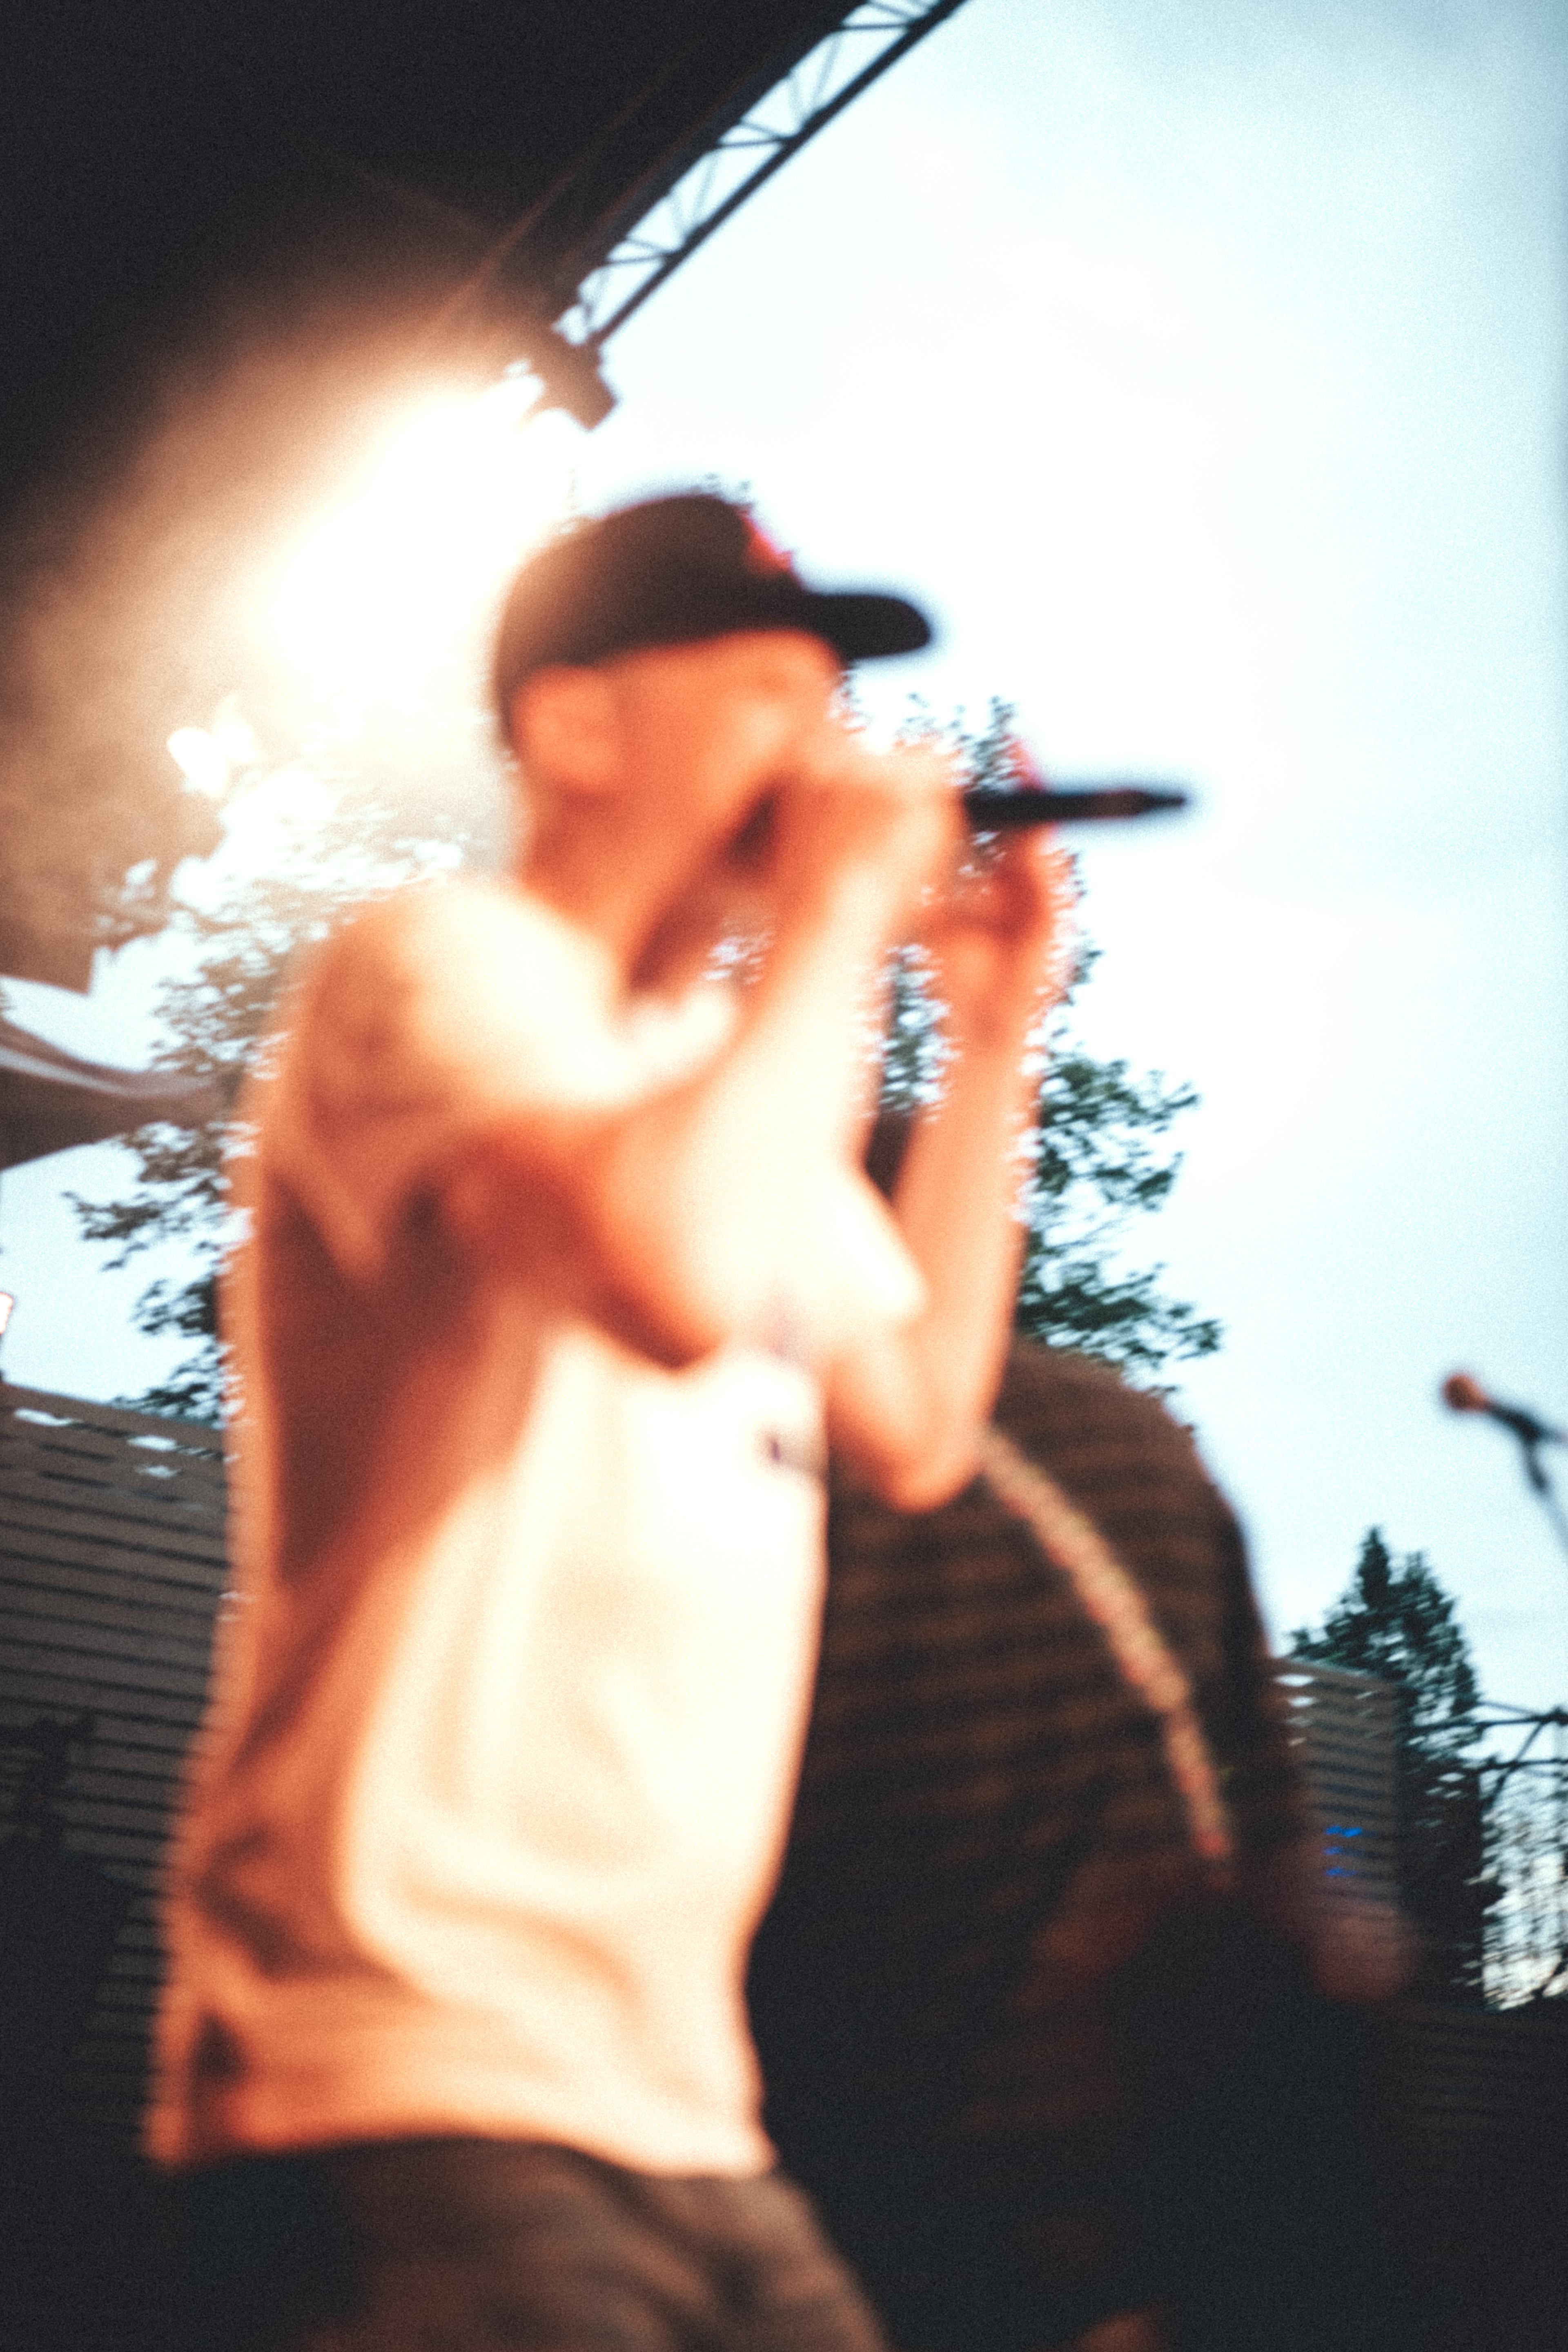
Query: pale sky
[{"x": 1202, "y": 368}]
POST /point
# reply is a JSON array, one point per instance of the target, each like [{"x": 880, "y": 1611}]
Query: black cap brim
[
  {"x": 672, "y": 570},
  {"x": 867, "y": 627},
  {"x": 857, "y": 624}
]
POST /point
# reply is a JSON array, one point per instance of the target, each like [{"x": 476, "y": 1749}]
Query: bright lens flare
[{"x": 396, "y": 581}]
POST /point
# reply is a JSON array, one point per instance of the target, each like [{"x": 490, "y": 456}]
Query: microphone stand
[
  {"x": 1463, "y": 1393},
  {"x": 1540, "y": 1479},
  {"x": 1533, "y": 1435}
]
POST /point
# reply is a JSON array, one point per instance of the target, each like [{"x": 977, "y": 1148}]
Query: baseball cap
[{"x": 669, "y": 570}]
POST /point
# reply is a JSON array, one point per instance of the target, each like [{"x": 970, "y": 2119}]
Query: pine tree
[{"x": 1395, "y": 1620}]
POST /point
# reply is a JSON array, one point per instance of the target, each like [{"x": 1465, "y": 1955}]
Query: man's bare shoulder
[
  {"x": 445, "y": 931},
  {"x": 452, "y": 971}
]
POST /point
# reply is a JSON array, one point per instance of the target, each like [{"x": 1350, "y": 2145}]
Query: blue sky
[{"x": 1202, "y": 369}]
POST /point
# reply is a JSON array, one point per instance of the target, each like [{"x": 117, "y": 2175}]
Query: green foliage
[
  {"x": 1394, "y": 1620},
  {"x": 1100, "y": 1161},
  {"x": 1098, "y": 1165},
  {"x": 914, "y": 1050},
  {"x": 232, "y": 959},
  {"x": 1397, "y": 1621},
  {"x": 1097, "y": 1159}
]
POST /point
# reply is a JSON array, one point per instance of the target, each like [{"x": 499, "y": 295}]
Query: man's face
[
  {"x": 711, "y": 730},
  {"x": 664, "y": 763}
]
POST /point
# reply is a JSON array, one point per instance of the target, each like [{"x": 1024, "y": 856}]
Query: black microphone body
[{"x": 1003, "y": 808}]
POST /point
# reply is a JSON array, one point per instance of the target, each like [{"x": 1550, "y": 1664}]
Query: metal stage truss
[
  {"x": 856, "y": 53},
  {"x": 372, "y": 191},
  {"x": 538, "y": 163},
  {"x": 1526, "y": 1812}
]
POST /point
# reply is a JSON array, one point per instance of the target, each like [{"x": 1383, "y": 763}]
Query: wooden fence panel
[{"x": 113, "y": 1565}]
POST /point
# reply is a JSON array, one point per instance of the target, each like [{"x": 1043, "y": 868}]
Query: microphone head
[{"x": 1463, "y": 1394}]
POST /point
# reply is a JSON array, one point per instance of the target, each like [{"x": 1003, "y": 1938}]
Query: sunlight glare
[
  {"x": 396, "y": 581},
  {"x": 201, "y": 760}
]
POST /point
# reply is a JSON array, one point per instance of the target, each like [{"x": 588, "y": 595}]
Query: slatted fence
[
  {"x": 112, "y": 1568},
  {"x": 1474, "y": 2111},
  {"x": 1345, "y": 1725}
]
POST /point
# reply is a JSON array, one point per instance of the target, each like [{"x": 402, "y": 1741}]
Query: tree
[
  {"x": 1097, "y": 1166},
  {"x": 231, "y": 959},
  {"x": 1097, "y": 1162},
  {"x": 1395, "y": 1620}
]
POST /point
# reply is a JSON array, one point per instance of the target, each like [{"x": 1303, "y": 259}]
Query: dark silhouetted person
[{"x": 1034, "y": 1998}]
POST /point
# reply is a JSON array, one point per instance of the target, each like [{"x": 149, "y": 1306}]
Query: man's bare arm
[
  {"x": 670, "y": 1224},
  {"x": 905, "y": 1404}
]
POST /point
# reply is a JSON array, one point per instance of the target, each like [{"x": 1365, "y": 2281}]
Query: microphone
[
  {"x": 1029, "y": 800},
  {"x": 997, "y": 808},
  {"x": 1461, "y": 1393}
]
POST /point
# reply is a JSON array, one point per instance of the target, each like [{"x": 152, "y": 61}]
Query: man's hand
[
  {"x": 904, "y": 1408},
  {"x": 1003, "y": 935},
  {"x": 851, "y": 819}
]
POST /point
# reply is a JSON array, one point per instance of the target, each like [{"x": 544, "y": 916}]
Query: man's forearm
[
  {"x": 957, "y": 1204},
  {"x": 907, "y": 1405},
  {"x": 694, "y": 1199}
]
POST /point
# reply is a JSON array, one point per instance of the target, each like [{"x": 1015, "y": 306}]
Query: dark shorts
[{"x": 467, "y": 2245}]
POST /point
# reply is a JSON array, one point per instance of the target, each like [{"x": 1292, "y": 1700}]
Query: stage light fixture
[{"x": 569, "y": 376}]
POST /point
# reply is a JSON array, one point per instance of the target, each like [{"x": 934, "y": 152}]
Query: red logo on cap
[{"x": 761, "y": 555}]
